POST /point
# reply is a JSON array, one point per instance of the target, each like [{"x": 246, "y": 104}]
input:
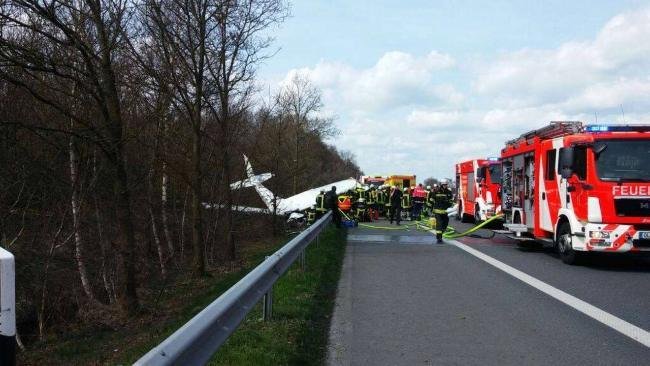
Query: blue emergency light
[
  {"x": 617, "y": 128},
  {"x": 493, "y": 159},
  {"x": 597, "y": 128}
]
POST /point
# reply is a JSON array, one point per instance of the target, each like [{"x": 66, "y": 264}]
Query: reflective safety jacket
[
  {"x": 406, "y": 200},
  {"x": 345, "y": 203},
  {"x": 320, "y": 203},
  {"x": 372, "y": 197},
  {"x": 381, "y": 197},
  {"x": 442, "y": 200},
  {"x": 419, "y": 194}
]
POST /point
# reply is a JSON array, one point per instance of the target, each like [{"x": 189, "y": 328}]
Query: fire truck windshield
[
  {"x": 495, "y": 173},
  {"x": 622, "y": 160}
]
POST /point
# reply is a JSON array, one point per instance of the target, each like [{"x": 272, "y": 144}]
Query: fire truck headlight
[{"x": 599, "y": 234}]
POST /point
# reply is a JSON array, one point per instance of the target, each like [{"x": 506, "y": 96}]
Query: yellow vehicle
[{"x": 402, "y": 181}]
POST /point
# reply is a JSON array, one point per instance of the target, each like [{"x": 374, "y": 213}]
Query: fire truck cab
[
  {"x": 580, "y": 188},
  {"x": 479, "y": 189}
]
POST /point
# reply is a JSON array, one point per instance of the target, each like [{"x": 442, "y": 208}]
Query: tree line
[{"x": 119, "y": 121}]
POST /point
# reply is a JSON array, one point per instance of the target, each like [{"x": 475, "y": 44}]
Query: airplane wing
[
  {"x": 307, "y": 199},
  {"x": 246, "y": 209}
]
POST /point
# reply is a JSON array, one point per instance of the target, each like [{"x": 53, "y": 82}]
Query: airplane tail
[
  {"x": 251, "y": 179},
  {"x": 256, "y": 181}
]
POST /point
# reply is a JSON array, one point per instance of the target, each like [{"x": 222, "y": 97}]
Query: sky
[{"x": 417, "y": 86}]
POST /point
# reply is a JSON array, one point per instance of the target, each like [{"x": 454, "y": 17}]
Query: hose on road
[
  {"x": 470, "y": 232},
  {"x": 450, "y": 233}
]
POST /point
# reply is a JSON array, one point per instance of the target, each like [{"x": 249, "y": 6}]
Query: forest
[{"x": 122, "y": 124}]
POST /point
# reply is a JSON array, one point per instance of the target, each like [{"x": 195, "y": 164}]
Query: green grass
[
  {"x": 303, "y": 304},
  {"x": 298, "y": 334}
]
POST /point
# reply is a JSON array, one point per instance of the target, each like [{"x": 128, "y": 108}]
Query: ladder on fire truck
[{"x": 553, "y": 130}]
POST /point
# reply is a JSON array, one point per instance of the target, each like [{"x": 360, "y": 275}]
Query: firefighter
[
  {"x": 311, "y": 216},
  {"x": 442, "y": 201},
  {"x": 395, "y": 204},
  {"x": 332, "y": 203},
  {"x": 359, "y": 193},
  {"x": 406, "y": 201},
  {"x": 380, "y": 199},
  {"x": 419, "y": 195},
  {"x": 360, "y": 210},
  {"x": 320, "y": 204},
  {"x": 372, "y": 202},
  {"x": 428, "y": 201},
  {"x": 388, "y": 190}
]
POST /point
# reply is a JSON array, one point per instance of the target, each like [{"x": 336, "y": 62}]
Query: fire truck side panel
[{"x": 547, "y": 191}]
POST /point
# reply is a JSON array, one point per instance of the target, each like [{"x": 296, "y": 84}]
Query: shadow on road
[{"x": 616, "y": 262}]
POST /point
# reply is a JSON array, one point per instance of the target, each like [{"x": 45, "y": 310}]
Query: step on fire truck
[
  {"x": 479, "y": 189},
  {"x": 579, "y": 188}
]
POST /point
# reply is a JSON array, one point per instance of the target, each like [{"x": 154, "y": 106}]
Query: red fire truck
[
  {"x": 579, "y": 188},
  {"x": 479, "y": 189}
]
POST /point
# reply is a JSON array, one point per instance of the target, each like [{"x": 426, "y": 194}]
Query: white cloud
[
  {"x": 433, "y": 119},
  {"x": 400, "y": 116},
  {"x": 531, "y": 77},
  {"x": 397, "y": 79}
]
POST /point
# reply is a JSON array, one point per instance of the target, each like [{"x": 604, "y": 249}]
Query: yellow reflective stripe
[{"x": 439, "y": 211}]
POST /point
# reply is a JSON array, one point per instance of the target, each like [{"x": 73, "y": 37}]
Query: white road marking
[{"x": 638, "y": 334}]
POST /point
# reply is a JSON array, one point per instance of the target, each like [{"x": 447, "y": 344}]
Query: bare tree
[
  {"x": 300, "y": 101},
  {"x": 50, "y": 48},
  {"x": 181, "y": 34},
  {"x": 240, "y": 46}
]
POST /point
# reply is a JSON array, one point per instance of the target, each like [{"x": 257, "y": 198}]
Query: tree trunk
[
  {"x": 102, "y": 245},
  {"x": 198, "y": 259},
  {"x": 164, "y": 194},
  {"x": 154, "y": 226},
  {"x": 127, "y": 297},
  {"x": 159, "y": 247},
  {"x": 76, "y": 220},
  {"x": 100, "y": 238},
  {"x": 231, "y": 248}
]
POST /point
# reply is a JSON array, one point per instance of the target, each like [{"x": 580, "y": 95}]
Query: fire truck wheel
[
  {"x": 477, "y": 215},
  {"x": 564, "y": 248},
  {"x": 463, "y": 216}
]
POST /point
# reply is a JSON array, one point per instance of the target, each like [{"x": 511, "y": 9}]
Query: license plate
[{"x": 644, "y": 235}]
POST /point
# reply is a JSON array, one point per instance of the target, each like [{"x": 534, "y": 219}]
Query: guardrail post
[
  {"x": 7, "y": 309},
  {"x": 267, "y": 306},
  {"x": 303, "y": 262}
]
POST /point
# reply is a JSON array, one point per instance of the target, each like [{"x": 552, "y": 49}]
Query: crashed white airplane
[{"x": 284, "y": 206}]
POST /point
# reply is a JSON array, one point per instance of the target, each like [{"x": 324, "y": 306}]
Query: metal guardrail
[
  {"x": 7, "y": 308},
  {"x": 195, "y": 342}
]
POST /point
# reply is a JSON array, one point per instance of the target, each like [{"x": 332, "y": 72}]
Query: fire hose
[{"x": 450, "y": 232}]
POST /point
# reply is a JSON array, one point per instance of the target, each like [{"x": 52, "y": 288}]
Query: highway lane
[
  {"x": 617, "y": 284},
  {"x": 403, "y": 300}
]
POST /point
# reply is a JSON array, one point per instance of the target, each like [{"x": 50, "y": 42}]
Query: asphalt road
[{"x": 403, "y": 300}]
